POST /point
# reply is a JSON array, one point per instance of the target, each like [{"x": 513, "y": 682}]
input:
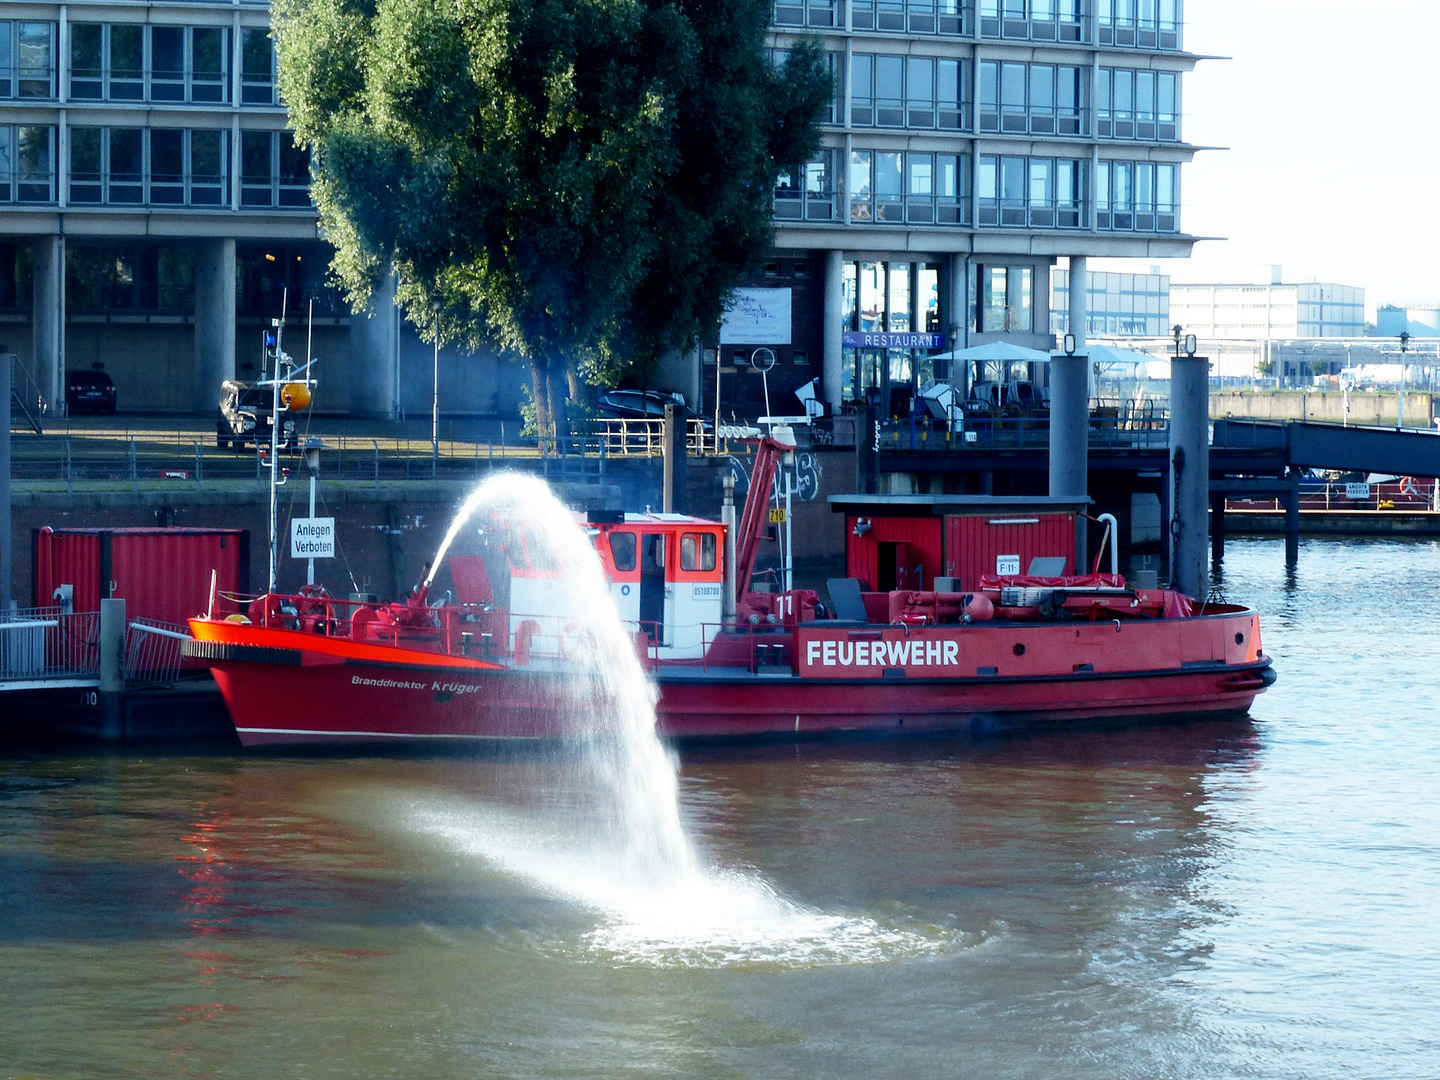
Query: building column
[
  {"x": 1079, "y": 300},
  {"x": 832, "y": 381},
  {"x": 48, "y": 320},
  {"x": 375, "y": 356},
  {"x": 214, "y": 321},
  {"x": 957, "y": 318}
]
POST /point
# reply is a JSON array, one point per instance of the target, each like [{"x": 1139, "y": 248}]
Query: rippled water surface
[{"x": 1255, "y": 898}]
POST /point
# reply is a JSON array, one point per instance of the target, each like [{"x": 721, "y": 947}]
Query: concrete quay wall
[{"x": 1366, "y": 407}]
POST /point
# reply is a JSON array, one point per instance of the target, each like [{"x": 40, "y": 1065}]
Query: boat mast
[{"x": 275, "y": 436}]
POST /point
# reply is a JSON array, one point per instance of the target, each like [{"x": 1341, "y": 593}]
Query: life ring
[
  {"x": 577, "y": 643},
  {"x": 1407, "y": 486}
]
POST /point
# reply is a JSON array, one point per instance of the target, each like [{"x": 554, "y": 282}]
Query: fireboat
[{"x": 934, "y": 628}]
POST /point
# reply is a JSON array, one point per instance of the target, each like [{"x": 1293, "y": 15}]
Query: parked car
[
  {"x": 89, "y": 391},
  {"x": 246, "y": 415},
  {"x": 637, "y": 404}
]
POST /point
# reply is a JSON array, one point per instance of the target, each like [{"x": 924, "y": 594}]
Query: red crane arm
[{"x": 757, "y": 502}]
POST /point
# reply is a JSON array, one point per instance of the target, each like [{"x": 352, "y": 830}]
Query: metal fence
[
  {"x": 646, "y": 438},
  {"x": 153, "y": 653},
  {"x": 1019, "y": 433},
  {"x": 48, "y": 643},
  {"x": 183, "y": 460}
]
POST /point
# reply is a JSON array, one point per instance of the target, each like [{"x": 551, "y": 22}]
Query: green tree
[{"x": 576, "y": 183}]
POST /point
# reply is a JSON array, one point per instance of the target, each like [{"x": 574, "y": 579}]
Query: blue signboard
[{"x": 863, "y": 340}]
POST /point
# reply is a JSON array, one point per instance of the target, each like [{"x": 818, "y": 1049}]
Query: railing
[
  {"x": 1019, "y": 433},
  {"x": 152, "y": 652},
  {"x": 186, "y": 459},
  {"x": 727, "y": 647},
  {"x": 48, "y": 643},
  {"x": 646, "y": 438}
]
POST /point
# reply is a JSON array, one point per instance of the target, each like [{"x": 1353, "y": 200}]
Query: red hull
[{"x": 288, "y": 696}]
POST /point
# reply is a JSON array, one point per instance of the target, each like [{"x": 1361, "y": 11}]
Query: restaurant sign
[{"x": 864, "y": 340}]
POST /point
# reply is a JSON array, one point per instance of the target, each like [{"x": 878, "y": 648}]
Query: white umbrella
[
  {"x": 996, "y": 350},
  {"x": 1106, "y": 354}
]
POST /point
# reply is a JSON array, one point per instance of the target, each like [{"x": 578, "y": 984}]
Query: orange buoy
[{"x": 295, "y": 395}]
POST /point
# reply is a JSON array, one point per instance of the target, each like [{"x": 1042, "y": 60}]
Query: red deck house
[{"x": 907, "y": 541}]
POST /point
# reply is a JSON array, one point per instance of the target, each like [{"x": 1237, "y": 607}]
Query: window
[
  {"x": 273, "y": 170},
  {"x": 257, "y": 73},
  {"x": 108, "y": 165},
  {"x": 891, "y": 187},
  {"x": 186, "y": 64},
  {"x": 697, "y": 551},
  {"x": 167, "y": 63},
  {"x": 1034, "y": 20},
  {"x": 916, "y": 92},
  {"x": 1006, "y": 299},
  {"x": 1033, "y": 192},
  {"x": 810, "y": 194},
  {"x": 920, "y": 92},
  {"x": 126, "y": 61},
  {"x": 1148, "y": 24},
  {"x": 1136, "y": 195},
  {"x": 27, "y": 164},
  {"x": 1136, "y": 105},
  {"x": 889, "y": 91},
  {"x": 130, "y": 278},
  {"x": 916, "y": 16},
  {"x": 27, "y": 66},
  {"x": 622, "y": 550},
  {"x": 834, "y": 63},
  {"x": 1038, "y": 99},
  {"x": 804, "y": 13}
]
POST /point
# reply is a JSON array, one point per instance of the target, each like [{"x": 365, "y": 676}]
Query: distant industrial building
[
  {"x": 1418, "y": 322},
  {"x": 1120, "y": 305},
  {"x": 1269, "y": 309}
]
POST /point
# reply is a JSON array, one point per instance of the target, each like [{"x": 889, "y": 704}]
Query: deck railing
[{"x": 48, "y": 643}]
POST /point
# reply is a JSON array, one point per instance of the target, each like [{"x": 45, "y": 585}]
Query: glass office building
[
  {"x": 155, "y": 208},
  {"x": 1117, "y": 304},
  {"x": 973, "y": 147}
]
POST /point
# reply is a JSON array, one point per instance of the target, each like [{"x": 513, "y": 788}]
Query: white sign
[
  {"x": 757, "y": 317},
  {"x": 1357, "y": 491},
  {"x": 1007, "y": 564},
  {"x": 312, "y": 538}
]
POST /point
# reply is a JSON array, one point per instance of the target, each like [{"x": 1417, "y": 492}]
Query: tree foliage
[{"x": 577, "y": 183}]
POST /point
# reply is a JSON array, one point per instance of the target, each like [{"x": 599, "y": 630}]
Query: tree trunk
[
  {"x": 559, "y": 402},
  {"x": 539, "y": 395}
]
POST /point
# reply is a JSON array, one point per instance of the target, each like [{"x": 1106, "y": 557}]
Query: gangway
[{"x": 1307, "y": 444}]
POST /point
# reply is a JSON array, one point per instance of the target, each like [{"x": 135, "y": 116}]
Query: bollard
[
  {"x": 112, "y": 667},
  {"x": 1069, "y": 436},
  {"x": 1189, "y": 487}
]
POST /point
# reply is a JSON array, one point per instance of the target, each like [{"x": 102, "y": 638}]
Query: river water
[{"x": 1250, "y": 899}]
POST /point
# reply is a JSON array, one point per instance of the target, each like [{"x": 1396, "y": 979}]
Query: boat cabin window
[
  {"x": 697, "y": 551},
  {"x": 654, "y": 554},
  {"x": 622, "y": 550}
]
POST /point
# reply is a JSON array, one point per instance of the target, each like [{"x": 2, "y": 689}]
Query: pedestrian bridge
[{"x": 1308, "y": 445}]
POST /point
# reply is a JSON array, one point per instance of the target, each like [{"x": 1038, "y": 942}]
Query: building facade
[
  {"x": 1267, "y": 309},
  {"x": 972, "y": 145},
  {"x": 1118, "y": 305},
  {"x": 153, "y": 208}
]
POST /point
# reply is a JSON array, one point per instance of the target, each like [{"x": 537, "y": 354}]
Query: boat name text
[{"x": 909, "y": 653}]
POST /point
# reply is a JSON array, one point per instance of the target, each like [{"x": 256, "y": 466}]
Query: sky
[{"x": 1326, "y": 111}]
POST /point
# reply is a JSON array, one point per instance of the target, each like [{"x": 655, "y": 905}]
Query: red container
[
  {"x": 894, "y": 552},
  {"x": 162, "y": 573},
  {"x": 984, "y": 543}
]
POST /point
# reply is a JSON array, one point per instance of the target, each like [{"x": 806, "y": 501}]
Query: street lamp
[
  {"x": 1400, "y": 394},
  {"x": 435, "y": 401}
]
